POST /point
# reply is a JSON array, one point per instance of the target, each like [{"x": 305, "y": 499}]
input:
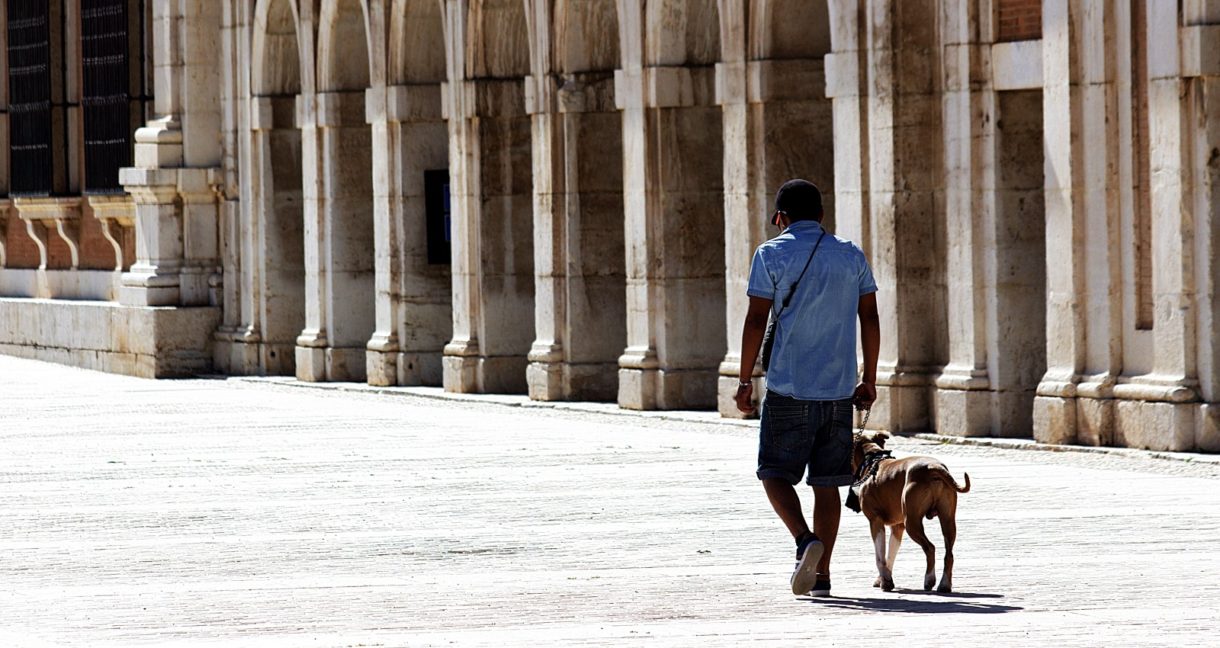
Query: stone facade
[{"x": 560, "y": 198}]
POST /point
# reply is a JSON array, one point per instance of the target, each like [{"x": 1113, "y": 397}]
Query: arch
[
  {"x": 417, "y": 42},
  {"x": 682, "y": 32},
  {"x": 586, "y": 36},
  {"x": 276, "y": 51},
  {"x": 344, "y": 58},
  {"x": 789, "y": 29},
  {"x": 497, "y": 40}
]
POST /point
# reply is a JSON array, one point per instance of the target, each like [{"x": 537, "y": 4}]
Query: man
[{"x": 807, "y": 413}]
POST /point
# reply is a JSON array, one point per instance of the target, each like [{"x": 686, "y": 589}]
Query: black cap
[{"x": 800, "y": 200}]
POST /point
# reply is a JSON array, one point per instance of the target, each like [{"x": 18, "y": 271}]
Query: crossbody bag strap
[{"x": 792, "y": 290}]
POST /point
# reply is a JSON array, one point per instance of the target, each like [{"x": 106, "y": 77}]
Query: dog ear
[{"x": 880, "y": 438}]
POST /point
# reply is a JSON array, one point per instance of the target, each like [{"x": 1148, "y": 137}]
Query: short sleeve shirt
[{"x": 813, "y": 356}]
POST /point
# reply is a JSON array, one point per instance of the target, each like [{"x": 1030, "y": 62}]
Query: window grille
[
  {"x": 107, "y": 98},
  {"x": 30, "y": 129}
]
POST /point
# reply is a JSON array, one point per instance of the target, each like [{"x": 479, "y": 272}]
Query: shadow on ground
[{"x": 930, "y": 603}]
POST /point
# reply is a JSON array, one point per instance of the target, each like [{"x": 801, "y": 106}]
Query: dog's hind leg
[
  {"x": 914, "y": 527},
  {"x": 884, "y": 578},
  {"x": 948, "y": 528}
]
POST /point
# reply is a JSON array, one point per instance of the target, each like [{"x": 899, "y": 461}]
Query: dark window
[
  {"x": 109, "y": 103},
  {"x": 31, "y": 135},
  {"x": 436, "y": 204}
]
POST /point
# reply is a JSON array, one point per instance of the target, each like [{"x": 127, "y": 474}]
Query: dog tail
[{"x": 947, "y": 477}]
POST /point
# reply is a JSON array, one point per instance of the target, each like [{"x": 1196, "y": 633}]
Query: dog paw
[
  {"x": 877, "y": 583},
  {"x": 887, "y": 585},
  {"x": 944, "y": 588},
  {"x": 929, "y": 582}
]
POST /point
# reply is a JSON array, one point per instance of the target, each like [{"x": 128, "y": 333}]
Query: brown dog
[{"x": 900, "y": 493}]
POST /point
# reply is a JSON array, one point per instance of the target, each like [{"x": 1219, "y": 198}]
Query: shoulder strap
[{"x": 792, "y": 290}]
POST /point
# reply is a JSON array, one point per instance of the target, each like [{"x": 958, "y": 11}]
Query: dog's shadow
[{"x": 932, "y": 603}]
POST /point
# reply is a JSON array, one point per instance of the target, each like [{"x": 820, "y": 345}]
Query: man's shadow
[{"x": 931, "y": 603}]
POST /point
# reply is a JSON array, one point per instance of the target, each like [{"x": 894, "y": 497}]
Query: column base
[
  {"x": 240, "y": 353},
  {"x": 381, "y": 360},
  {"x": 1055, "y": 419},
  {"x": 564, "y": 381},
  {"x": 1207, "y": 434},
  {"x": 901, "y": 409},
  {"x": 966, "y": 413},
  {"x": 657, "y": 389},
  {"x": 347, "y": 364},
  {"x": 467, "y": 372},
  {"x": 419, "y": 368},
  {"x": 150, "y": 288},
  {"x": 1155, "y": 426}
]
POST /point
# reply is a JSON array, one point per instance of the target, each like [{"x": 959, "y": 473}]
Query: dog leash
[{"x": 853, "y": 499}]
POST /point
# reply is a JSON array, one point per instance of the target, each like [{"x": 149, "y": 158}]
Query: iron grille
[
  {"x": 31, "y": 134},
  {"x": 106, "y": 98}
]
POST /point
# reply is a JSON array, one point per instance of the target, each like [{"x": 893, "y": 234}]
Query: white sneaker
[{"x": 805, "y": 575}]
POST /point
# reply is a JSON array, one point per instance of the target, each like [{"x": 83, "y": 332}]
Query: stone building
[{"x": 561, "y": 197}]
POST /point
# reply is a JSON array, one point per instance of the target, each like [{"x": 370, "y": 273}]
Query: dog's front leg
[
  {"x": 895, "y": 540},
  {"x": 883, "y": 572}
]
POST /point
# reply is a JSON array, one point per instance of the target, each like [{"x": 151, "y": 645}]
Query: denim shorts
[{"x": 799, "y": 434}]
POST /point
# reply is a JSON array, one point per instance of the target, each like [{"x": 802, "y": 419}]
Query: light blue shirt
[{"x": 814, "y": 353}]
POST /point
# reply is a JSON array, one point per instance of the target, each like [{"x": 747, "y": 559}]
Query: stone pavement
[{"x": 250, "y": 513}]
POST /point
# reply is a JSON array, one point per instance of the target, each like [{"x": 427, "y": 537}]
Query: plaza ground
[{"x": 259, "y": 513}]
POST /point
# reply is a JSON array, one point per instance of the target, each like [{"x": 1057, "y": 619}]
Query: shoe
[
  {"x": 805, "y": 575},
  {"x": 821, "y": 587}
]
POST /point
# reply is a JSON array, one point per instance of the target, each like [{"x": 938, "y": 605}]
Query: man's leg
[
  {"x": 787, "y": 505},
  {"x": 826, "y": 509}
]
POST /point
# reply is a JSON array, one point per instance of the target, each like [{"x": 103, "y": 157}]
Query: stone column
[
  {"x": 743, "y": 215},
  {"x": 347, "y": 245},
  {"x": 423, "y": 307},
  {"x": 1157, "y": 409},
  {"x": 312, "y": 342},
  {"x": 177, "y": 159},
  {"x": 493, "y": 275},
  {"x": 383, "y": 347},
  {"x": 674, "y": 209},
  {"x": 1201, "y": 69},
  {"x": 1084, "y": 328},
  {"x": 905, "y": 177},
  {"x": 579, "y": 309},
  {"x": 847, "y": 87}
]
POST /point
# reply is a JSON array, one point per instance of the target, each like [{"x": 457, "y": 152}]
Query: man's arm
[
  {"x": 751, "y": 341},
  {"x": 870, "y": 340}
]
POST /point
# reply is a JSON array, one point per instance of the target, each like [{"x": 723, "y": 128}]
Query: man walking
[{"x": 815, "y": 285}]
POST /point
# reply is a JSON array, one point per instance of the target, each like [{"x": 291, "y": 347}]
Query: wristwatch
[{"x": 744, "y": 383}]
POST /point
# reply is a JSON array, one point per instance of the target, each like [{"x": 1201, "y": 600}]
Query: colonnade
[{"x": 560, "y": 198}]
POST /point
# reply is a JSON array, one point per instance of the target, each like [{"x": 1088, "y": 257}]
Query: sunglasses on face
[{"x": 775, "y": 218}]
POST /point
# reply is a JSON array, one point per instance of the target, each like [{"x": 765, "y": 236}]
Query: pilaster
[{"x": 383, "y": 348}]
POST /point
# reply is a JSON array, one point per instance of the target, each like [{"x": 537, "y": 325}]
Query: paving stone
[{"x": 247, "y": 513}]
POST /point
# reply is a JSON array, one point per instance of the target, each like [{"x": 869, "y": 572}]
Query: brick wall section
[
  {"x": 95, "y": 251},
  {"x": 1018, "y": 20}
]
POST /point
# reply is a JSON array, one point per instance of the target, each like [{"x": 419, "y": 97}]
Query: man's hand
[
  {"x": 865, "y": 396},
  {"x": 745, "y": 399}
]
